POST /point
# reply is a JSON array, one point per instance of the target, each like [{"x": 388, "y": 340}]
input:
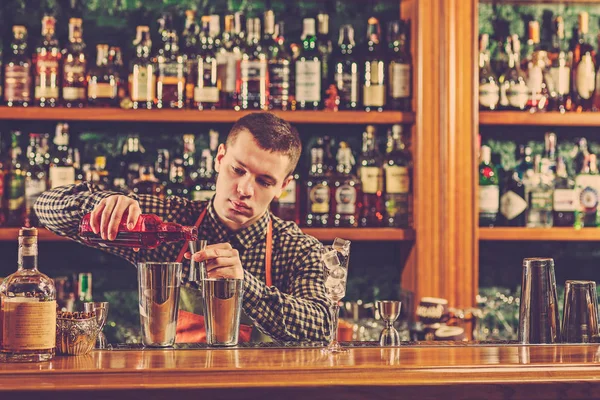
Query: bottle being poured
[{"x": 149, "y": 232}]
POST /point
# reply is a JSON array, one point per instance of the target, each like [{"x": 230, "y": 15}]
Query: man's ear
[
  {"x": 220, "y": 154},
  {"x": 283, "y": 186}
]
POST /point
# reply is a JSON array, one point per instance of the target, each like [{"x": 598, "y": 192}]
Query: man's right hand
[{"x": 106, "y": 217}]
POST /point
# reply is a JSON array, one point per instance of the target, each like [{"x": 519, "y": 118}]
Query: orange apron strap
[
  {"x": 268, "y": 277},
  {"x": 185, "y": 245}
]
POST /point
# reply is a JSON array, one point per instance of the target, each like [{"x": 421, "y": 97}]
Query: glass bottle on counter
[
  {"x": 514, "y": 92},
  {"x": 400, "y": 68},
  {"x": 374, "y": 78},
  {"x": 17, "y": 70},
  {"x": 559, "y": 81},
  {"x": 27, "y": 307},
  {"x": 253, "y": 76},
  {"x": 539, "y": 188},
  {"x": 142, "y": 79},
  {"x": 149, "y": 232},
  {"x": 171, "y": 67},
  {"x": 308, "y": 70},
  {"x": 206, "y": 90},
  {"x": 74, "y": 82},
  {"x": 47, "y": 57},
  {"x": 489, "y": 91},
  {"x": 370, "y": 172},
  {"x": 397, "y": 168},
  {"x": 103, "y": 85},
  {"x": 345, "y": 69},
  {"x": 317, "y": 189},
  {"x": 489, "y": 192},
  {"x": 564, "y": 200},
  {"x": 345, "y": 190}
]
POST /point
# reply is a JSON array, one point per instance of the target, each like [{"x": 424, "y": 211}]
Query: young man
[{"x": 254, "y": 166}]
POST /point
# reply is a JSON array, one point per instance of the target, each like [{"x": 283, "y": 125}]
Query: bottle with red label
[
  {"x": 149, "y": 232},
  {"x": 17, "y": 70},
  {"x": 47, "y": 57},
  {"x": 344, "y": 190}
]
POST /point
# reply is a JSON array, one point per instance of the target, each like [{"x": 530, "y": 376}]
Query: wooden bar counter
[{"x": 419, "y": 372}]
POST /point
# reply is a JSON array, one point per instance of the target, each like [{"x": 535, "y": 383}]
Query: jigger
[
  {"x": 197, "y": 270},
  {"x": 389, "y": 310}
]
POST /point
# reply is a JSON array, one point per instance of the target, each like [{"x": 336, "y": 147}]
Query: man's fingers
[
  {"x": 106, "y": 213},
  {"x": 212, "y": 253},
  {"x": 95, "y": 217},
  {"x": 134, "y": 212},
  {"x": 221, "y": 262},
  {"x": 115, "y": 218}
]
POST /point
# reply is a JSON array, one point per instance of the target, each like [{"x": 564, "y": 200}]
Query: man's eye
[
  {"x": 264, "y": 183},
  {"x": 238, "y": 171}
]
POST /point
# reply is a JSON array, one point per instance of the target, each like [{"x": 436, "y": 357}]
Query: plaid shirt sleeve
[{"x": 299, "y": 311}]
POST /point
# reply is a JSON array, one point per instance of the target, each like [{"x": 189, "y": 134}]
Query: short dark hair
[{"x": 271, "y": 133}]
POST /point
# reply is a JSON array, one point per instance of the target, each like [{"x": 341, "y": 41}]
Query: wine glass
[
  {"x": 335, "y": 264},
  {"x": 101, "y": 310}
]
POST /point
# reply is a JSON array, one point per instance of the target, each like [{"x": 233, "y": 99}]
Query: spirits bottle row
[
  {"x": 244, "y": 67},
  {"x": 555, "y": 76},
  {"x": 539, "y": 191}
]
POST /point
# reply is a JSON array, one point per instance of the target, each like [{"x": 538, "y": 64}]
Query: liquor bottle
[
  {"x": 190, "y": 36},
  {"x": 16, "y": 183},
  {"x": 397, "y": 168},
  {"x": 514, "y": 92},
  {"x": 374, "y": 79},
  {"x": 1, "y": 70},
  {"x": 27, "y": 307},
  {"x": 103, "y": 85},
  {"x": 36, "y": 178},
  {"x": 4, "y": 188},
  {"x": 131, "y": 158},
  {"x": 308, "y": 70},
  {"x": 46, "y": 61},
  {"x": 344, "y": 190},
  {"x": 587, "y": 185},
  {"x": 559, "y": 81},
  {"x": 317, "y": 189},
  {"x": 147, "y": 183},
  {"x": 100, "y": 176},
  {"x": 253, "y": 76},
  {"x": 325, "y": 47},
  {"x": 550, "y": 153},
  {"x": 596, "y": 97},
  {"x": 162, "y": 165},
  {"x": 580, "y": 161},
  {"x": 564, "y": 200},
  {"x": 74, "y": 68},
  {"x": 513, "y": 202},
  {"x": 533, "y": 43},
  {"x": 149, "y": 232},
  {"x": 228, "y": 55},
  {"x": 189, "y": 154},
  {"x": 280, "y": 64},
  {"x": 177, "y": 180},
  {"x": 489, "y": 91},
  {"x": 206, "y": 90},
  {"x": 537, "y": 72},
  {"x": 489, "y": 192},
  {"x": 345, "y": 69},
  {"x": 17, "y": 71},
  {"x": 287, "y": 205},
  {"x": 115, "y": 63},
  {"x": 214, "y": 30},
  {"x": 539, "y": 189},
  {"x": 400, "y": 68},
  {"x": 84, "y": 290},
  {"x": 370, "y": 172},
  {"x": 500, "y": 55},
  {"x": 170, "y": 86},
  {"x": 205, "y": 183},
  {"x": 142, "y": 79},
  {"x": 62, "y": 171},
  {"x": 584, "y": 68},
  {"x": 526, "y": 161}
]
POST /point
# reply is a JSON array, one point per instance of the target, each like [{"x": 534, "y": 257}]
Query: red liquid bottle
[{"x": 148, "y": 233}]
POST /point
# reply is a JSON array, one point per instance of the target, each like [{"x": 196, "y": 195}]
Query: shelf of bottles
[
  {"x": 549, "y": 118},
  {"x": 537, "y": 234}
]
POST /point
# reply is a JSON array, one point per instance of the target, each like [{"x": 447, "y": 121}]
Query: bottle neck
[{"x": 28, "y": 253}]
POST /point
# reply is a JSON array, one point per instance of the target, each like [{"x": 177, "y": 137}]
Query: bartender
[{"x": 284, "y": 293}]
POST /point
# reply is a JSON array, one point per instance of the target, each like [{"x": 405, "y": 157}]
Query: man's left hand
[{"x": 221, "y": 260}]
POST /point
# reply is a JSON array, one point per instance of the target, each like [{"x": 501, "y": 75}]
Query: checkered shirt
[{"x": 294, "y": 308}]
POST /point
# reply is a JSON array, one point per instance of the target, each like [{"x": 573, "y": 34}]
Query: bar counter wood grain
[{"x": 423, "y": 372}]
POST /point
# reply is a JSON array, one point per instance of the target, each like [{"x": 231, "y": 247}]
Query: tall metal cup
[
  {"x": 159, "y": 284},
  {"x": 222, "y": 300},
  {"x": 580, "y": 313},
  {"x": 538, "y": 314}
]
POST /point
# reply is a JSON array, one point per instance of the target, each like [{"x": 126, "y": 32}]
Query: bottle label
[
  {"x": 586, "y": 74},
  {"x": 560, "y": 80},
  {"x": 16, "y": 196},
  {"x": 73, "y": 93},
  {"x": 202, "y": 195},
  {"x": 517, "y": 95},
  {"x": 33, "y": 189},
  {"x": 565, "y": 200},
  {"x": 371, "y": 179},
  {"x": 489, "y": 94},
  {"x": 345, "y": 199},
  {"x": 227, "y": 69},
  {"x": 288, "y": 195},
  {"x": 46, "y": 79},
  {"x": 60, "y": 176},
  {"x": 347, "y": 85},
  {"x": 102, "y": 91},
  {"x": 540, "y": 200},
  {"x": 374, "y": 95},
  {"x": 489, "y": 199},
  {"x": 512, "y": 205},
  {"x": 588, "y": 199},
  {"x": 308, "y": 81},
  {"x": 400, "y": 79},
  {"x": 319, "y": 199},
  {"x": 17, "y": 83},
  {"x": 254, "y": 79},
  {"x": 143, "y": 83},
  {"x": 206, "y": 94},
  {"x": 397, "y": 179},
  {"x": 535, "y": 82},
  {"x": 28, "y": 324},
  {"x": 279, "y": 80},
  {"x": 206, "y": 90}
]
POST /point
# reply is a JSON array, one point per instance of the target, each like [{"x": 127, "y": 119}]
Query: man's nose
[{"x": 245, "y": 186}]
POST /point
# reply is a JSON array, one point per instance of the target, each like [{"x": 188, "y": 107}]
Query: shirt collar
[{"x": 247, "y": 237}]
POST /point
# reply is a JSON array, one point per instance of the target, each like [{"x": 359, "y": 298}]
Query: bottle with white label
[
  {"x": 374, "y": 72},
  {"x": 540, "y": 188},
  {"x": 206, "y": 90},
  {"x": 27, "y": 307},
  {"x": 103, "y": 82},
  {"x": 400, "y": 67},
  {"x": 489, "y": 190},
  {"x": 565, "y": 200},
  {"x": 46, "y": 71},
  {"x": 253, "y": 79},
  {"x": 308, "y": 70},
  {"x": 171, "y": 69},
  {"x": 62, "y": 171},
  {"x": 584, "y": 67},
  {"x": 74, "y": 67},
  {"x": 489, "y": 91},
  {"x": 345, "y": 69},
  {"x": 398, "y": 172},
  {"x": 344, "y": 190},
  {"x": 514, "y": 92},
  {"x": 142, "y": 78}
]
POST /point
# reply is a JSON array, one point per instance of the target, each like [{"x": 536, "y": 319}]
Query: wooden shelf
[
  {"x": 218, "y": 116},
  {"x": 356, "y": 234},
  {"x": 539, "y": 234},
  {"x": 525, "y": 2},
  {"x": 539, "y": 119}
]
